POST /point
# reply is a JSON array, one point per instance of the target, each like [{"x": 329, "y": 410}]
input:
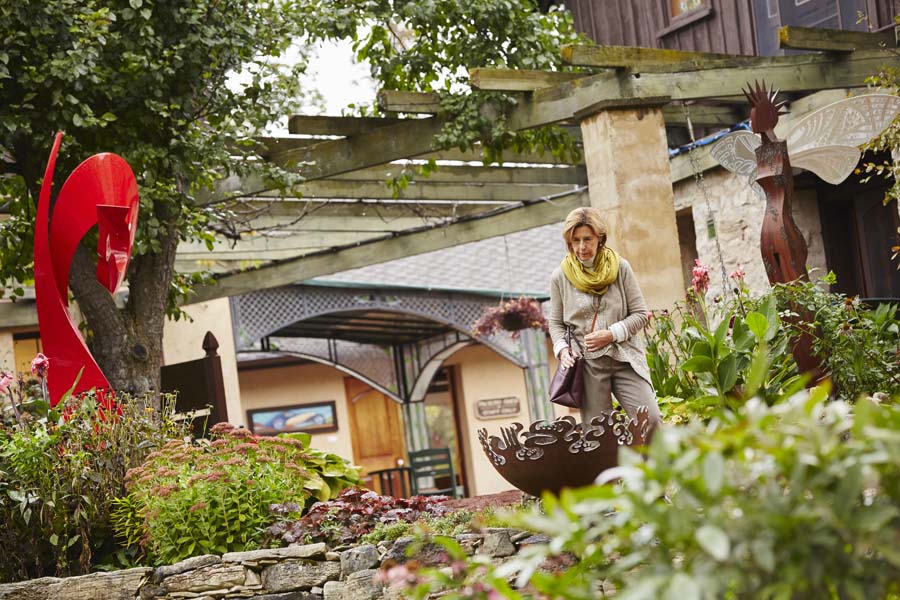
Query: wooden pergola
[
  {"x": 343, "y": 216},
  {"x": 350, "y": 218}
]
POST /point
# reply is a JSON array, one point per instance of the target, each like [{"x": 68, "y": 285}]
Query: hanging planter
[{"x": 512, "y": 316}]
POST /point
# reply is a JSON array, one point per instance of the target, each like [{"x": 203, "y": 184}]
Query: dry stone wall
[{"x": 303, "y": 572}]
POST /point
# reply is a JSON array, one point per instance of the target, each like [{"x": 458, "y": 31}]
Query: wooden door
[
  {"x": 876, "y": 233},
  {"x": 376, "y": 429}
]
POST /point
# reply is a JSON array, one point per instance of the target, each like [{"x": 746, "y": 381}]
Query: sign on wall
[
  {"x": 319, "y": 417},
  {"x": 495, "y": 408}
]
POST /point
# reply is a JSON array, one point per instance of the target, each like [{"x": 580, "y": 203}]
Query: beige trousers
[{"x": 605, "y": 376}]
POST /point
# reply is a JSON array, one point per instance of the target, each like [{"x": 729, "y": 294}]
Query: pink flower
[
  {"x": 5, "y": 380},
  {"x": 40, "y": 365},
  {"x": 738, "y": 274},
  {"x": 700, "y": 280}
]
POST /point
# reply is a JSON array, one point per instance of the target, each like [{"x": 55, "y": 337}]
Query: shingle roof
[{"x": 481, "y": 265}]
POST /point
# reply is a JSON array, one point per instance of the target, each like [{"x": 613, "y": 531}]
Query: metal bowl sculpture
[{"x": 550, "y": 456}]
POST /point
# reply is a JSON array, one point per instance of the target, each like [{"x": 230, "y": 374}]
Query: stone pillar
[
  {"x": 627, "y": 162},
  {"x": 7, "y": 352},
  {"x": 537, "y": 374}
]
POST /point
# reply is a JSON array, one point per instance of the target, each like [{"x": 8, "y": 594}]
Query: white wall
[
  {"x": 300, "y": 384},
  {"x": 183, "y": 341}
]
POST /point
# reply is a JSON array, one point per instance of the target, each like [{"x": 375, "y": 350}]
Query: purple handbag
[{"x": 567, "y": 387}]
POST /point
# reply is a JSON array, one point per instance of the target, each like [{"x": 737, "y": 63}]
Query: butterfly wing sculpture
[
  {"x": 101, "y": 191},
  {"x": 825, "y": 142}
]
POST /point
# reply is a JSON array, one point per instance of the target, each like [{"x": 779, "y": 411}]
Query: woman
[{"x": 595, "y": 295}]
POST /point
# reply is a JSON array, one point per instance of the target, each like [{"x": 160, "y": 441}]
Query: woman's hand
[
  {"x": 598, "y": 340},
  {"x": 567, "y": 358}
]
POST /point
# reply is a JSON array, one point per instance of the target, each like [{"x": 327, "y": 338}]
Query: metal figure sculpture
[
  {"x": 550, "y": 456},
  {"x": 101, "y": 191},
  {"x": 781, "y": 243},
  {"x": 825, "y": 142}
]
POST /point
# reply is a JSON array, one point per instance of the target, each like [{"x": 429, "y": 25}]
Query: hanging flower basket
[{"x": 512, "y": 316}]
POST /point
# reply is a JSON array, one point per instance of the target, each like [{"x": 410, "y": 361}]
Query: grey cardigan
[{"x": 622, "y": 303}]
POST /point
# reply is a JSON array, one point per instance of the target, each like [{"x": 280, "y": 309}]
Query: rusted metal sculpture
[
  {"x": 825, "y": 142},
  {"x": 781, "y": 243},
  {"x": 550, "y": 456},
  {"x": 101, "y": 191}
]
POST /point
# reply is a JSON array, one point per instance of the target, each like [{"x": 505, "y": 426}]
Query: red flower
[
  {"x": 700, "y": 280},
  {"x": 40, "y": 365}
]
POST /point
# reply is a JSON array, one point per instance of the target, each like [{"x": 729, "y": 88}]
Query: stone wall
[
  {"x": 309, "y": 572},
  {"x": 737, "y": 212}
]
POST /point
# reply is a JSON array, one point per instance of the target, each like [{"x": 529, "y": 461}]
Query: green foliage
[
  {"x": 450, "y": 524},
  {"x": 149, "y": 81},
  {"x": 429, "y": 47},
  {"x": 796, "y": 500},
  {"x": 858, "y": 344},
  {"x": 59, "y": 477},
  {"x": 698, "y": 369},
  {"x": 201, "y": 497}
]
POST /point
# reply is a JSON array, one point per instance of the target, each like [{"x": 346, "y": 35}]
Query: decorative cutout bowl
[{"x": 552, "y": 455}]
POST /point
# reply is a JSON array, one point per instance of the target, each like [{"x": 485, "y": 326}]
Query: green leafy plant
[
  {"x": 796, "y": 500},
  {"x": 60, "y": 472},
  {"x": 709, "y": 356},
  {"x": 859, "y": 345},
  {"x": 214, "y": 496}
]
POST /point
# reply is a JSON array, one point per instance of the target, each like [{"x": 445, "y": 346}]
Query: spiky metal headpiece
[{"x": 764, "y": 111}]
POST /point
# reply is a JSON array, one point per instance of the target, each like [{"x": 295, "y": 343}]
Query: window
[{"x": 680, "y": 7}]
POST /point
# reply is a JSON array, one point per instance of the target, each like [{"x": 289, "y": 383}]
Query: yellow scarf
[{"x": 596, "y": 280}]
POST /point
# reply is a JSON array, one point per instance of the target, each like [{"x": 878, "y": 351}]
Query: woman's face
[{"x": 585, "y": 242}]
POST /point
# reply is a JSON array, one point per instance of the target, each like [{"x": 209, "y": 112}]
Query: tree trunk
[{"x": 127, "y": 343}]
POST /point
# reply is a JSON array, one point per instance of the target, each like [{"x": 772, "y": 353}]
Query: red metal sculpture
[{"x": 101, "y": 191}]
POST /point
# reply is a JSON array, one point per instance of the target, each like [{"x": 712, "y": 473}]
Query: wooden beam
[
  {"x": 342, "y": 126},
  {"x": 702, "y": 115},
  {"x": 270, "y": 145},
  {"x": 624, "y": 90},
  {"x": 408, "y": 102},
  {"x": 288, "y": 209},
  {"x": 834, "y": 40},
  {"x": 472, "y": 174},
  {"x": 648, "y": 60},
  {"x": 509, "y": 156},
  {"x": 405, "y": 139},
  {"x": 398, "y": 246},
  {"x": 377, "y": 190},
  {"x": 518, "y": 80},
  {"x": 687, "y": 165}
]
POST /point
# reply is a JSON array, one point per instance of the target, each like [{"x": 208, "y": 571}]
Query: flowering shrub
[
  {"x": 59, "y": 476},
  {"x": 710, "y": 355},
  {"x": 354, "y": 514},
  {"x": 213, "y": 496},
  {"x": 512, "y": 316}
]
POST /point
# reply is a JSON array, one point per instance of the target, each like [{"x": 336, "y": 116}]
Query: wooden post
[{"x": 627, "y": 162}]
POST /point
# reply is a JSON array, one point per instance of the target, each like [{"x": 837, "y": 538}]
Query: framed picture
[{"x": 319, "y": 417}]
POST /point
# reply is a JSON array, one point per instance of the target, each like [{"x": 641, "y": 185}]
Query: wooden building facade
[{"x": 723, "y": 26}]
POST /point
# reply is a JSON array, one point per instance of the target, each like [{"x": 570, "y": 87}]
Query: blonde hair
[{"x": 584, "y": 216}]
